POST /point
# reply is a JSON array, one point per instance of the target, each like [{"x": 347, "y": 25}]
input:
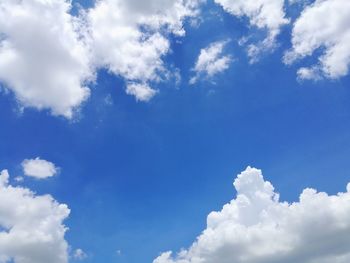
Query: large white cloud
[
  {"x": 324, "y": 26},
  {"x": 211, "y": 61},
  {"x": 129, "y": 38},
  {"x": 31, "y": 226},
  {"x": 48, "y": 56},
  {"x": 257, "y": 228},
  {"x": 263, "y": 14},
  {"x": 39, "y": 168},
  {"x": 43, "y": 58}
]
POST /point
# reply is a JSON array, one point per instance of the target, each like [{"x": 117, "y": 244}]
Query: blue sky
[{"x": 141, "y": 177}]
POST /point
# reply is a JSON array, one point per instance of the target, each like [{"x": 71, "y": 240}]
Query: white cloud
[
  {"x": 211, "y": 61},
  {"x": 130, "y": 38},
  {"x": 31, "y": 226},
  {"x": 324, "y": 26},
  {"x": 263, "y": 14},
  {"x": 257, "y": 228},
  {"x": 39, "y": 168},
  {"x": 79, "y": 254},
  {"x": 312, "y": 73},
  {"x": 48, "y": 56},
  {"x": 43, "y": 58},
  {"x": 142, "y": 92}
]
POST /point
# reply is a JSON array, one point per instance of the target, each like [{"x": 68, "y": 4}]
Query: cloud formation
[
  {"x": 211, "y": 61},
  {"x": 43, "y": 58},
  {"x": 257, "y": 228},
  {"x": 31, "y": 226},
  {"x": 129, "y": 38},
  {"x": 142, "y": 92},
  {"x": 312, "y": 32},
  {"x": 48, "y": 56},
  {"x": 39, "y": 168},
  {"x": 263, "y": 14}
]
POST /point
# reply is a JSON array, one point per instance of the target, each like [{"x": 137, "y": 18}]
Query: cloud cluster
[
  {"x": 48, "y": 56},
  {"x": 323, "y": 25},
  {"x": 130, "y": 38},
  {"x": 263, "y": 14},
  {"x": 257, "y": 228},
  {"x": 211, "y": 61},
  {"x": 39, "y": 168},
  {"x": 31, "y": 226}
]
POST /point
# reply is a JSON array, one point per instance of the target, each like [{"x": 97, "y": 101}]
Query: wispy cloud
[{"x": 211, "y": 61}]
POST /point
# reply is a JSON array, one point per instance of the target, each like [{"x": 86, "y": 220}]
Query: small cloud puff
[
  {"x": 79, "y": 254},
  {"x": 142, "y": 92},
  {"x": 39, "y": 168},
  {"x": 211, "y": 61}
]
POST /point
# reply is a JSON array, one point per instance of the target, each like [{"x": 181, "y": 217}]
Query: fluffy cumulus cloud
[
  {"x": 211, "y": 61},
  {"x": 263, "y": 14},
  {"x": 43, "y": 58},
  {"x": 31, "y": 226},
  {"x": 39, "y": 168},
  {"x": 331, "y": 36},
  {"x": 48, "y": 56},
  {"x": 257, "y": 228},
  {"x": 130, "y": 38}
]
